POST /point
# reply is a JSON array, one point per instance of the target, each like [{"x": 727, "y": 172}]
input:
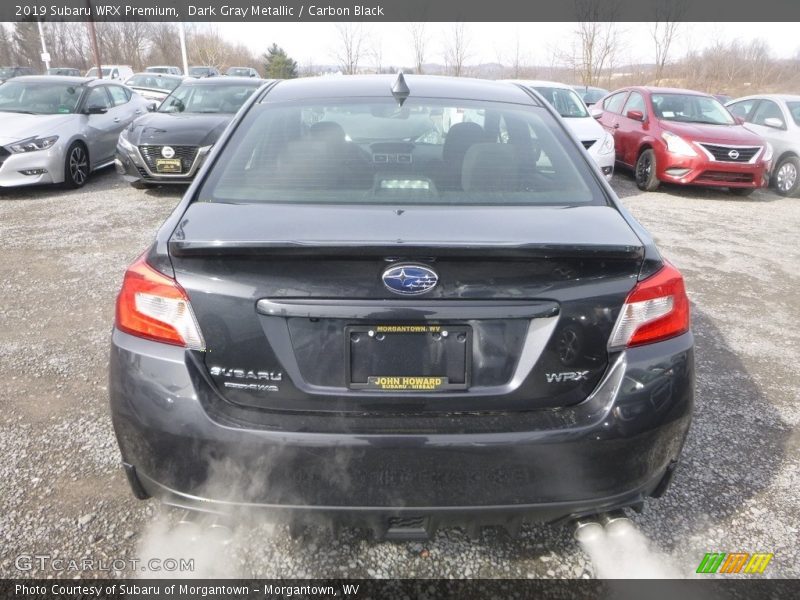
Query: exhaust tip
[{"x": 587, "y": 529}]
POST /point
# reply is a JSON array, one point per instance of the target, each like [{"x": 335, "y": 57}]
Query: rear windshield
[
  {"x": 690, "y": 108},
  {"x": 427, "y": 152},
  {"x": 156, "y": 82}
]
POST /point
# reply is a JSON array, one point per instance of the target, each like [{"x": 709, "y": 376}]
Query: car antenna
[{"x": 400, "y": 89}]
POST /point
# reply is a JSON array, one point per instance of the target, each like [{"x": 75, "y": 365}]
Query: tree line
[
  {"x": 593, "y": 55},
  {"x": 133, "y": 43}
]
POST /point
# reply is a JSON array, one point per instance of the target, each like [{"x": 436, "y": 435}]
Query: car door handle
[
  {"x": 116, "y": 119},
  {"x": 137, "y": 112},
  {"x": 616, "y": 125}
]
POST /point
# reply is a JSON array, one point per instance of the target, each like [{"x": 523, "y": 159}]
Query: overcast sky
[{"x": 495, "y": 42}]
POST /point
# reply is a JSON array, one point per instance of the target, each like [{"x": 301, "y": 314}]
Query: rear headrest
[
  {"x": 460, "y": 137},
  {"x": 327, "y": 131},
  {"x": 491, "y": 167}
]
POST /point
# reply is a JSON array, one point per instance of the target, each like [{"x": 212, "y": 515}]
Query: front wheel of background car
[
  {"x": 645, "y": 171},
  {"x": 76, "y": 166},
  {"x": 741, "y": 191},
  {"x": 787, "y": 177}
]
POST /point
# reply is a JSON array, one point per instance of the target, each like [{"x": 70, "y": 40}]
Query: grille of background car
[
  {"x": 723, "y": 176},
  {"x": 720, "y": 153},
  {"x": 185, "y": 153}
]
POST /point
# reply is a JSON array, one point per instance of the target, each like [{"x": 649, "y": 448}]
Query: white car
[
  {"x": 117, "y": 72},
  {"x": 776, "y": 118},
  {"x": 584, "y": 126}
]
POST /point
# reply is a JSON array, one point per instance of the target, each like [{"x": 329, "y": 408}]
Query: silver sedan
[
  {"x": 60, "y": 129},
  {"x": 776, "y": 118}
]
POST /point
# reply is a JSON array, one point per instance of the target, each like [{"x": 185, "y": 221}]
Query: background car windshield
[
  {"x": 794, "y": 110},
  {"x": 154, "y": 82},
  {"x": 199, "y": 71},
  {"x": 566, "y": 102},
  {"x": 689, "y": 108},
  {"x": 39, "y": 98},
  {"x": 93, "y": 72},
  {"x": 6, "y": 72},
  {"x": 207, "y": 98},
  {"x": 239, "y": 72},
  {"x": 427, "y": 152}
]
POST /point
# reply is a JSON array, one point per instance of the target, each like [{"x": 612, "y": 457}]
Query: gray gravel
[{"x": 63, "y": 494}]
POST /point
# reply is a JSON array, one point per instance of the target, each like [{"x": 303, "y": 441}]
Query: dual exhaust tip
[
  {"x": 592, "y": 527},
  {"x": 207, "y": 527}
]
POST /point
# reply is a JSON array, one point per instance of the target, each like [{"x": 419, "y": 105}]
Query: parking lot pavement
[{"x": 62, "y": 492}]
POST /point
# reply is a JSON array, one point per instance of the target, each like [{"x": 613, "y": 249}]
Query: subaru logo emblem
[
  {"x": 409, "y": 279},
  {"x": 168, "y": 152},
  {"x": 734, "y": 154}
]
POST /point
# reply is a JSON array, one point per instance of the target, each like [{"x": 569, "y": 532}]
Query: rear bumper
[{"x": 610, "y": 451}]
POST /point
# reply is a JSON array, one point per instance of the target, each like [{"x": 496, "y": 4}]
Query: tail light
[
  {"x": 153, "y": 306},
  {"x": 656, "y": 309}
]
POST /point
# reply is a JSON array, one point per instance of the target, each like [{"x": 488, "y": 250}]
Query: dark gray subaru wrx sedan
[{"x": 401, "y": 303}]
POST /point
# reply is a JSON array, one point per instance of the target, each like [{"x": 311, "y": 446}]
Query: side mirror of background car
[
  {"x": 152, "y": 107},
  {"x": 636, "y": 115},
  {"x": 739, "y": 120},
  {"x": 595, "y": 112},
  {"x": 774, "y": 122},
  {"x": 96, "y": 110}
]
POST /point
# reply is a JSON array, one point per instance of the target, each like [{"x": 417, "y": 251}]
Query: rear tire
[
  {"x": 743, "y": 192},
  {"x": 645, "y": 171},
  {"x": 787, "y": 177},
  {"x": 76, "y": 166}
]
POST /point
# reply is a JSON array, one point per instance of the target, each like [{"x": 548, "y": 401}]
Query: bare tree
[
  {"x": 353, "y": 41},
  {"x": 208, "y": 48},
  {"x": 598, "y": 39},
  {"x": 456, "y": 50},
  {"x": 664, "y": 32},
  {"x": 6, "y": 47},
  {"x": 419, "y": 40}
]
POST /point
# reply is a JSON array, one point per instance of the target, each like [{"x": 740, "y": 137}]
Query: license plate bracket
[
  {"x": 408, "y": 357},
  {"x": 169, "y": 165}
]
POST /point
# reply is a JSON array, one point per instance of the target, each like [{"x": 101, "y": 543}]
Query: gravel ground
[{"x": 63, "y": 494}]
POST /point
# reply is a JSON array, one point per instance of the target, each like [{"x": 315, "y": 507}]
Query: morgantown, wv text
[{"x": 174, "y": 589}]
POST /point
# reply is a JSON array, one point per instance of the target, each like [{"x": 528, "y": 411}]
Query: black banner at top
[{"x": 401, "y": 10}]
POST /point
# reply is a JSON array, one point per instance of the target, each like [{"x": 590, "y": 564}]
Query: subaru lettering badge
[
  {"x": 410, "y": 279},
  {"x": 167, "y": 152},
  {"x": 734, "y": 154}
]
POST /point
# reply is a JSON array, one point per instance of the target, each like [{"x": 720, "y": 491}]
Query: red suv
[{"x": 685, "y": 137}]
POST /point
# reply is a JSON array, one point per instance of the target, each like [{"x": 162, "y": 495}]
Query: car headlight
[
  {"x": 124, "y": 143},
  {"x": 677, "y": 145},
  {"x": 33, "y": 144},
  {"x": 768, "y": 151},
  {"x": 607, "y": 146}
]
